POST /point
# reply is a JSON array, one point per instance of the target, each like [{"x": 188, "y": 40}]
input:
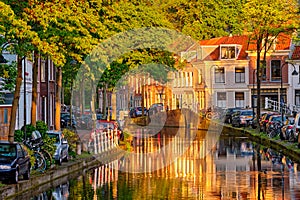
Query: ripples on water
[{"x": 226, "y": 170}]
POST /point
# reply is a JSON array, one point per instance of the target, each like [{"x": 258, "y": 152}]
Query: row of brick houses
[
  {"x": 46, "y": 92},
  {"x": 221, "y": 72}
]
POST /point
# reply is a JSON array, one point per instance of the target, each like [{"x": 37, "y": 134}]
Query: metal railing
[
  {"x": 278, "y": 106},
  {"x": 102, "y": 141}
]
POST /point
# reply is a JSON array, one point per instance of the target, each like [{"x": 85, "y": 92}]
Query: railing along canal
[{"x": 103, "y": 140}]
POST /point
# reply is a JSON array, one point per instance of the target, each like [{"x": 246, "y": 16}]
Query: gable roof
[{"x": 283, "y": 43}]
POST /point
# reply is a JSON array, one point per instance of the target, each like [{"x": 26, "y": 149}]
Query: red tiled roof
[
  {"x": 283, "y": 43},
  {"x": 296, "y": 53}
]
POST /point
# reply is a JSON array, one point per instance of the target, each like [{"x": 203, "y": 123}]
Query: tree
[
  {"x": 69, "y": 30},
  {"x": 264, "y": 20},
  {"x": 20, "y": 39},
  {"x": 204, "y": 19}
]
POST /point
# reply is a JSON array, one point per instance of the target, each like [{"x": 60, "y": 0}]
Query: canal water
[{"x": 198, "y": 165}]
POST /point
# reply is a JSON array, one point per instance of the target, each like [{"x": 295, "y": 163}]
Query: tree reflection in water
[{"x": 229, "y": 170}]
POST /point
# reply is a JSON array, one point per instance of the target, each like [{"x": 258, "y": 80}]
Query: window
[
  {"x": 51, "y": 68},
  {"x": 228, "y": 52},
  {"x": 275, "y": 70},
  {"x": 240, "y": 74},
  {"x": 43, "y": 71},
  {"x": 199, "y": 76},
  {"x": 221, "y": 99},
  {"x": 297, "y": 97},
  {"x": 5, "y": 116},
  {"x": 219, "y": 75},
  {"x": 239, "y": 99}
]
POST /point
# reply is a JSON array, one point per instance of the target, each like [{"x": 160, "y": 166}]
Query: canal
[{"x": 185, "y": 165}]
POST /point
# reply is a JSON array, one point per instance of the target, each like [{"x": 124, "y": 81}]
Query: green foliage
[
  {"x": 49, "y": 145},
  {"x": 204, "y": 19},
  {"x": 264, "y": 21},
  {"x": 29, "y": 129},
  {"x": 72, "y": 138},
  {"x": 31, "y": 154},
  {"x": 19, "y": 136},
  {"x": 9, "y": 75},
  {"x": 42, "y": 127}
]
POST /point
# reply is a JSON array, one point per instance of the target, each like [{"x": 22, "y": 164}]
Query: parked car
[
  {"x": 62, "y": 147},
  {"x": 155, "y": 108},
  {"x": 228, "y": 114},
  {"x": 254, "y": 123},
  {"x": 242, "y": 118},
  {"x": 287, "y": 131},
  {"x": 264, "y": 120},
  {"x": 104, "y": 125},
  {"x": 137, "y": 112},
  {"x": 274, "y": 118},
  {"x": 14, "y": 161},
  {"x": 65, "y": 121}
]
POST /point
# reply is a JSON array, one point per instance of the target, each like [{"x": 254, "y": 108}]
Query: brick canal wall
[{"x": 40, "y": 182}]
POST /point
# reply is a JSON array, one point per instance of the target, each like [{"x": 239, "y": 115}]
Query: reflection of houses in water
[
  {"x": 105, "y": 174},
  {"x": 61, "y": 192},
  {"x": 234, "y": 147},
  {"x": 206, "y": 169}
]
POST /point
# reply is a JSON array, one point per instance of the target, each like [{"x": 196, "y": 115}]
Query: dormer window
[{"x": 229, "y": 51}]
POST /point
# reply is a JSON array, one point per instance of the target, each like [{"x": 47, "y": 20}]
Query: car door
[
  {"x": 235, "y": 117},
  {"x": 21, "y": 159}
]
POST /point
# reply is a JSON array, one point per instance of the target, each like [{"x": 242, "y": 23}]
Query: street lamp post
[{"x": 294, "y": 73}]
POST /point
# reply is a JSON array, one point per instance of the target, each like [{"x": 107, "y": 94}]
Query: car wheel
[
  {"x": 26, "y": 176},
  {"x": 16, "y": 178},
  {"x": 59, "y": 161},
  {"x": 66, "y": 159}
]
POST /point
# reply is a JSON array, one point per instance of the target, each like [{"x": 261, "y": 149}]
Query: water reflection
[
  {"x": 226, "y": 168},
  {"x": 60, "y": 192}
]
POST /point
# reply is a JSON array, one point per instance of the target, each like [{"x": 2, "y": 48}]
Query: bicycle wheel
[
  {"x": 272, "y": 133},
  {"x": 47, "y": 157},
  {"x": 40, "y": 162}
]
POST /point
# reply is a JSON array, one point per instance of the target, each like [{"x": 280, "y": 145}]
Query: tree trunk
[
  {"x": 58, "y": 98},
  {"x": 104, "y": 101},
  {"x": 258, "y": 73},
  {"x": 34, "y": 88},
  {"x": 11, "y": 133}
]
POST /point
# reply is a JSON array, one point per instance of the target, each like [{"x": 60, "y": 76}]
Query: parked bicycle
[
  {"x": 43, "y": 159},
  {"x": 274, "y": 129}
]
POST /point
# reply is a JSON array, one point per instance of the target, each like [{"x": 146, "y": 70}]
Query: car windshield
[
  {"x": 8, "y": 150},
  {"x": 55, "y": 136}
]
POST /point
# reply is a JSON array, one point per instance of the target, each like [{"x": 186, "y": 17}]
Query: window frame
[
  {"x": 219, "y": 73},
  {"x": 240, "y": 100},
  {"x": 276, "y": 78},
  {"x": 228, "y": 52},
  {"x": 241, "y": 76}
]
